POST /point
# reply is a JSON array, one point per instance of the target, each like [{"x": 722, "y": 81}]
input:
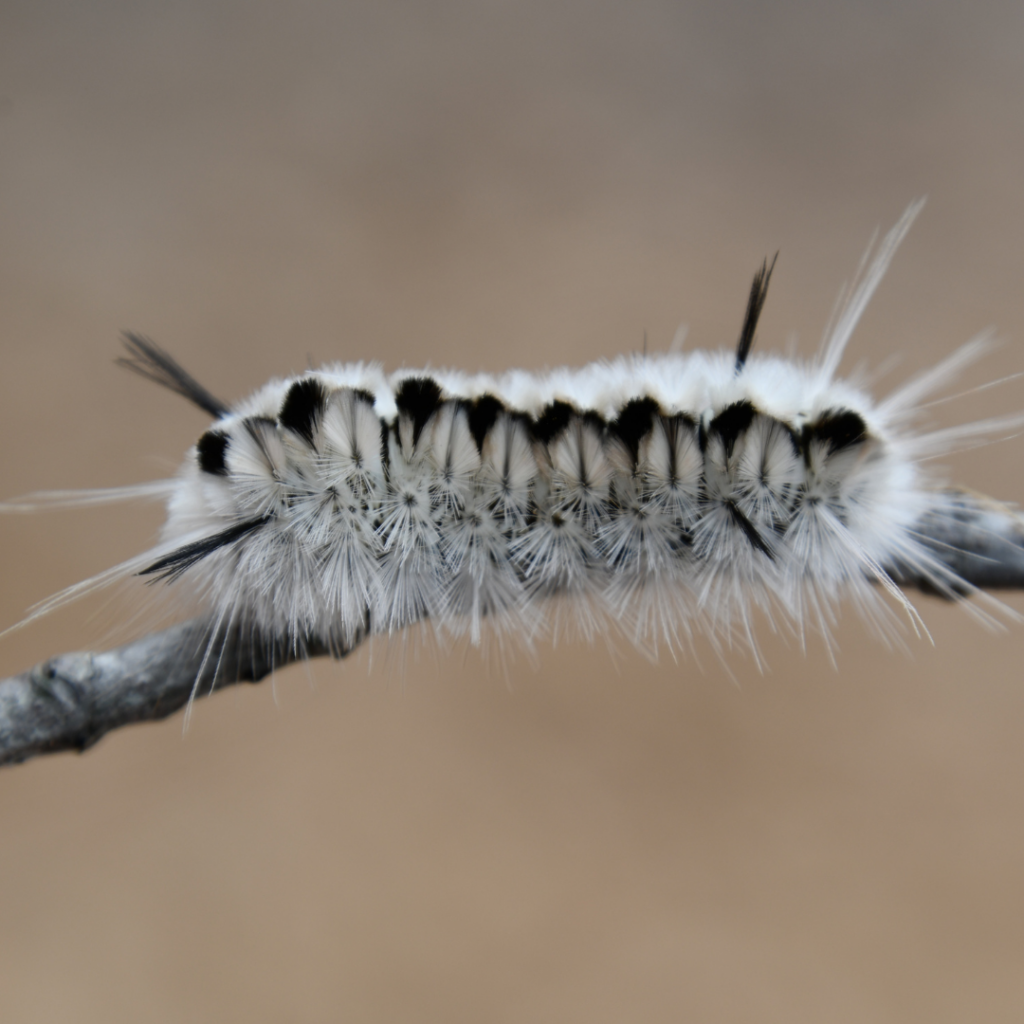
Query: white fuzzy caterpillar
[{"x": 669, "y": 494}]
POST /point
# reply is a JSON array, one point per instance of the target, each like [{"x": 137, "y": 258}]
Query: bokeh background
[{"x": 430, "y": 837}]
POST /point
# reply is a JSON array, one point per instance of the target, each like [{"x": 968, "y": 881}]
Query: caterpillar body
[{"x": 667, "y": 494}]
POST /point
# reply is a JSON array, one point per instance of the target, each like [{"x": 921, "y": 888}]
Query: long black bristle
[
  {"x": 171, "y": 566},
  {"x": 750, "y": 531},
  {"x": 148, "y": 360},
  {"x": 758, "y": 293}
]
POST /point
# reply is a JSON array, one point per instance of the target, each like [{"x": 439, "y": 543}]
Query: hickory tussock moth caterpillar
[{"x": 667, "y": 494}]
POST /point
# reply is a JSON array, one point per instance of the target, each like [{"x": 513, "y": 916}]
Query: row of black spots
[
  {"x": 631, "y": 426},
  {"x": 301, "y": 411},
  {"x": 633, "y": 423},
  {"x": 636, "y": 420}
]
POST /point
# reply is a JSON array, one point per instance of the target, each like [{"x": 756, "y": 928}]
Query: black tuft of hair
[
  {"x": 553, "y": 419},
  {"x": 839, "y": 428},
  {"x": 302, "y": 408},
  {"x": 148, "y": 360},
  {"x": 634, "y": 423},
  {"x": 732, "y": 421},
  {"x": 171, "y": 566},
  {"x": 211, "y": 449},
  {"x": 482, "y": 413},
  {"x": 364, "y": 396},
  {"x": 755, "y": 303},
  {"x": 418, "y": 397}
]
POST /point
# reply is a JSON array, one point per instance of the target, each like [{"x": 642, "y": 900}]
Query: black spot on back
[
  {"x": 634, "y": 423},
  {"x": 482, "y": 413},
  {"x": 303, "y": 406},
  {"x": 418, "y": 398},
  {"x": 210, "y": 449},
  {"x": 839, "y": 428},
  {"x": 365, "y": 395},
  {"x": 552, "y": 421},
  {"x": 732, "y": 421}
]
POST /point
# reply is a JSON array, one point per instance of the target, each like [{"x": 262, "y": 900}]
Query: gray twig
[
  {"x": 980, "y": 539},
  {"x": 72, "y": 700}
]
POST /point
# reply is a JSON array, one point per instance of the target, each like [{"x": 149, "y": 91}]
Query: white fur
[{"x": 690, "y": 528}]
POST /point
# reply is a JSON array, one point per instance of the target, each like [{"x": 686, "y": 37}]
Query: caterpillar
[{"x": 668, "y": 494}]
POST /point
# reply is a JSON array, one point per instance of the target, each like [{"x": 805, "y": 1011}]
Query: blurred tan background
[{"x": 488, "y": 184}]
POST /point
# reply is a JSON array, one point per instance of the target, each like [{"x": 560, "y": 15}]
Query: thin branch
[
  {"x": 71, "y": 701},
  {"x": 980, "y": 539}
]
